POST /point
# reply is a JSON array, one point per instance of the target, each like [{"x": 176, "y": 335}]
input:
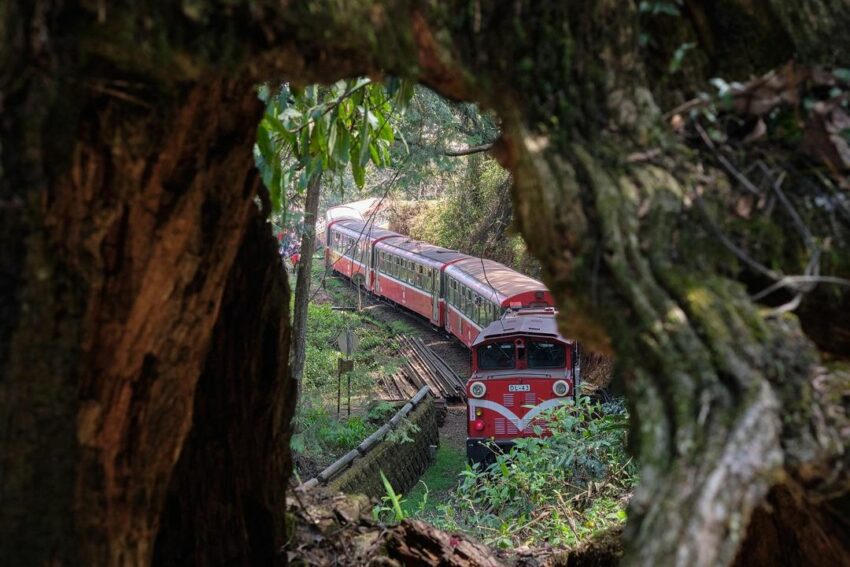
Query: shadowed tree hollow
[{"x": 144, "y": 338}]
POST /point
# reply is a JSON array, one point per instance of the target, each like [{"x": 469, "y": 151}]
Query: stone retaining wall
[{"x": 401, "y": 463}]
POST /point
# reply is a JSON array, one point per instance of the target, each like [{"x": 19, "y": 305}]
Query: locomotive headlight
[
  {"x": 561, "y": 388},
  {"x": 477, "y": 390}
]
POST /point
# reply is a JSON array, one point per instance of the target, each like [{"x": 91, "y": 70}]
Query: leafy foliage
[
  {"x": 321, "y": 435},
  {"x": 381, "y": 411},
  {"x": 318, "y": 129},
  {"x": 390, "y": 508},
  {"x": 402, "y": 432},
  {"x": 560, "y": 489}
]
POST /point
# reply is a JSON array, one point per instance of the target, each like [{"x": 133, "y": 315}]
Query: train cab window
[
  {"x": 546, "y": 355},
  {"x": 496, "y": 356}
]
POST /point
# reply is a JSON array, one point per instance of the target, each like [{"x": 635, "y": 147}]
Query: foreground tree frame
[{"x": 142, "y": 348}]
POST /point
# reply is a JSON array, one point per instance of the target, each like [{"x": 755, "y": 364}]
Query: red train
[
  {"x": 486, "y": 305},
  {"x": 521, "y": 367}
]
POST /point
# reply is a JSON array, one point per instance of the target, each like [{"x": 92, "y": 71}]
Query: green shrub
[
  {"x": 381, "y": 411},
  {"x": 320, "y": 434},
  {"x": 559, "y": 489}
]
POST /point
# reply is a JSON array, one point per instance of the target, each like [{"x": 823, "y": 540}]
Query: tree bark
[
  {"x": 231, "y": 514},
  {"x": 128, "y": 203},
  {"x": 302, "y": 284}
]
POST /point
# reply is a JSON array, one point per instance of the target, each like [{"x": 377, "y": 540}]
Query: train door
[
  {"x": 380, "y": 263},
  {"x": 370, "y": 266},
  {"x": 435, "y": 295}
]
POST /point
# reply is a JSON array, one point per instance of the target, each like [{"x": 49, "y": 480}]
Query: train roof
[
  {"x": 499, "y": 277},
  {"x": 429, "y": 251},
  {"x": 356, "y": 210},
  {"x": 532, "y": 322},
  {"x": 359, "y": 227}
]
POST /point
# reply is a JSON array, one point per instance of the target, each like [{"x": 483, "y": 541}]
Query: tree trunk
[
  {"x": 302, "y": 284},
  {"x": 231, "y": 515},
  {"x": 127, "y": 208}
]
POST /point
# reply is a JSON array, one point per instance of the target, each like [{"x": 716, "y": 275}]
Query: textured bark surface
[
  {"x": 239, "y": 418},
  {"x": 128, "y": 193},
  {"x": 302, "y": 284},
  {"x": 127, "y": 198}
]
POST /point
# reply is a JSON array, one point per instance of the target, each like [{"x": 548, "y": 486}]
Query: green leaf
[
  {"x": 679, "y": 56},
  {"x": 394, "y": 498},
  {"x": 363, "y": 142},
  {"x": 303, "y": 181},
  {"x": 264, "y": 143},
  {"x": 343, "y": 147},
  {"x": 359, "y": 174},
  {"x": 373, "y": 153},
  {"x": 331, "y": 146}
]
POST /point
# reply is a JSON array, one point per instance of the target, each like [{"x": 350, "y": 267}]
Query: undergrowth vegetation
[
  {"x": 558, "y": 490},
  {"x": 320, "y": 435}
]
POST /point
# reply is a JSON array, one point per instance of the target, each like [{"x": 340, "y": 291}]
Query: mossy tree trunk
[
  {"x": 131, "y": 237},
  {"x": 302, "y": 285}
]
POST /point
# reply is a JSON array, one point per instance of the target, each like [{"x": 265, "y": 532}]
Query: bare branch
[{"x": 469, "y": 151}]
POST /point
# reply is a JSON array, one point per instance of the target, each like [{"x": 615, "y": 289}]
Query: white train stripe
[{"x": 520, "y": 424}]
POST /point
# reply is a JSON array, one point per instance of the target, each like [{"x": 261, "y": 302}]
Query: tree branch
[{"x": 469, "y": 151}]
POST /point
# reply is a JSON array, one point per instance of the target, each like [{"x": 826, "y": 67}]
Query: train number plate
[{"x": 519, "y": 388}]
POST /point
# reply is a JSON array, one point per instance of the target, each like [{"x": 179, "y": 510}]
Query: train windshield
[
  {"x": 496, "y": 356},
  {"x": 546, "y": 355}
]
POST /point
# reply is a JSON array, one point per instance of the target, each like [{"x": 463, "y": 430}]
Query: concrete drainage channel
[{"x": 358, "y": 471}]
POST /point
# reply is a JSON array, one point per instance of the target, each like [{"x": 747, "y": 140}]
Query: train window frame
[
  {"x": 530, "y": 345},
  {"x": 502, "y": 345}
]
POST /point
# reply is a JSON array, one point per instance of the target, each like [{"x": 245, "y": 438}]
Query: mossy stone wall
[{"x": 401, "y": 463}]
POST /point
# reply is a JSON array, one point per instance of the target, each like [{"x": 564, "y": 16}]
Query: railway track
[
  {"x": 421, "y": 367},
  {"x": 421, "y": 364}
]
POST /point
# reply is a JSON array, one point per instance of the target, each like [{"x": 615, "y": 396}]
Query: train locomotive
[
  {"x": 496, "y": 312},
  {"x": 521, "y": 367}
]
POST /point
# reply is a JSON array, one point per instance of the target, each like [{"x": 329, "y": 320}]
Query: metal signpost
[{"x": 347, "y": 342}]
